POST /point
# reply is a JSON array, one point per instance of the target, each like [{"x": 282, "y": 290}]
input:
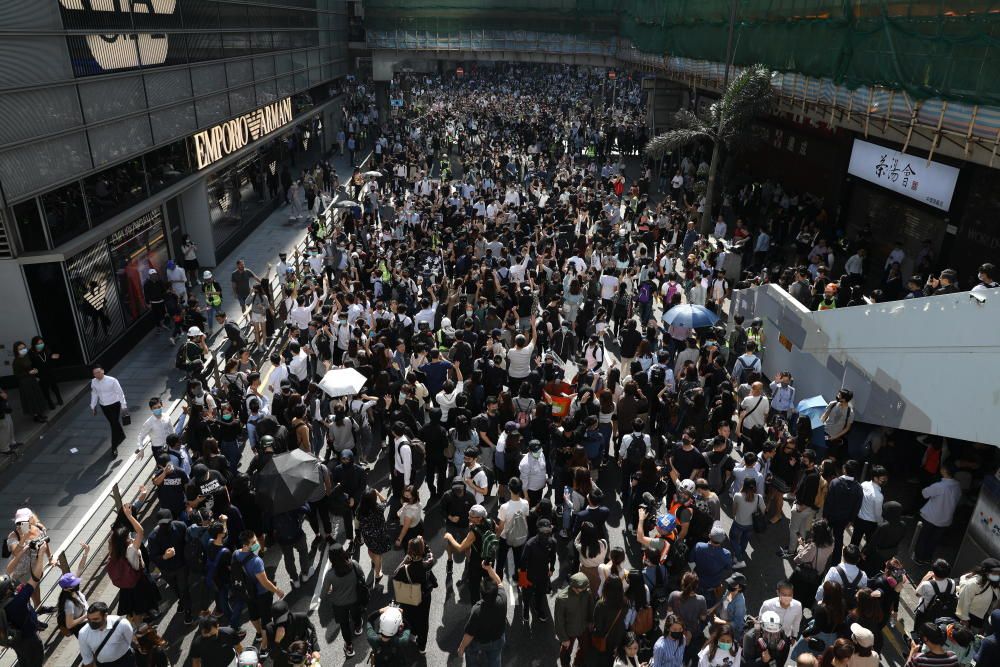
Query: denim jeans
[
  {"x": 739, "y": 536},
  {"x": 487, "y": 654}
]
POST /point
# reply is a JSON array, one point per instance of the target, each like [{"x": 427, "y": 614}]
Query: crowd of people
[{"x": 501, "y": 283}]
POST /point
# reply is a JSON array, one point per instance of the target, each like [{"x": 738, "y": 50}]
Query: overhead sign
[
  {"x": 932, "y": 183},
  {"x": 224, "y": 139},
  {"x": 114, "y": 51}
]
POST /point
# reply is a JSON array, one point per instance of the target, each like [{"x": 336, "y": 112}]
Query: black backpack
[
  {"x": 943, "y": 604},
  {"x": 850, "y": 587},
  {"x": 194, "y": 548},
  {"x": 636, "y": 450},
  {"x": 241, "y": 584},
  {"x": 716, "y": 472}
]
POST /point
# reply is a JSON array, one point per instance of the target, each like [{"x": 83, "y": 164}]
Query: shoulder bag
[
  {"x": 407, "y": 592},
  {"x": 600, "y": 644}
]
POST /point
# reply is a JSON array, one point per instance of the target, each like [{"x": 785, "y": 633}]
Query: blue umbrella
[
  {"x": 813, "y": 408},
  {"x": 691, "y": 316}
]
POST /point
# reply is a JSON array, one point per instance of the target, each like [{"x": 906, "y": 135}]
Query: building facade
[{"x": 128, "y": 124}]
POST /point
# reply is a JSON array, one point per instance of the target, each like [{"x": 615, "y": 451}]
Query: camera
[{"x": 37, "y": 543}]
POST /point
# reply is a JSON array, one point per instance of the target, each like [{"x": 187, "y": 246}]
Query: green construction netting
[{"x": 938, "y": 48}]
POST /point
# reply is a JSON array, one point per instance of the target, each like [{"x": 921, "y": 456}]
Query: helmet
[
  {"x": 770, "y": 621},
  {"x": 756, "y": 322},
  {"x": 390, "y": 621},
  {"x": 687, "y": 486},
  {"x": 194, "y": 332},
  {"x": 7, "y": 586},
  {"x": 666, "y": 523},
  {"x": 249, "y": 658},
  {"x": 267, "y": 441},
  {"x": 207, "y": 275}
]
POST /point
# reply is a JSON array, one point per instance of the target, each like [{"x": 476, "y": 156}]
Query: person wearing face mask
[
  {"x": 43, "y": 360},
  {"x": 533, "y": 472},
  {"x": 228, "y": 430},
  {"x": 766, "y": 643},
  {"x": 669, "y": 649},
  {"x": 32, "y": 398},
  {"x": 721, "y": 650},
  {"x": 156, "y": 428},
  {"x": 261, "y": 596},
  {"x": 106, "y": 640},
  {"x": 978, "y": 593}
]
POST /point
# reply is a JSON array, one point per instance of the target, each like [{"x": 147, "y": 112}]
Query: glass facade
[
  {"x": 237, "y": 197},
  {"x": 65, "y": 213},
  {"x": 106, "y": 280},
  {"x": 29, "y": 226},
  {"x": 114, "y": 190}
]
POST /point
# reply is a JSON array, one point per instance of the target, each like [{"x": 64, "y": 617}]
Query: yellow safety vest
[{"x": 212, "y": 296}]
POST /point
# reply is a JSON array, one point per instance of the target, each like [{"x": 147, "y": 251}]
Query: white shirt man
[
  {"x": 156, "y": 427},
  {"x": 480, "y": 479},
  {"x": 609, "y": 285},
  {"x": 119, "y": 644},
  {"x": 448, "y": 400},
  {"x": 871, "y": 502},
  {"x": 754, "y": 409},
  {"x": 403, "y": 458},
  {"x": 106, "y": 391},
  {"x": 426, "y": 315},
  {"x": 852, "y": 572},
  {"x": 278, "y": 374},
  {"x": 178, "y": 281},
  {"x": 720, "y": 229},
  {"x": 791, "y": 615}
]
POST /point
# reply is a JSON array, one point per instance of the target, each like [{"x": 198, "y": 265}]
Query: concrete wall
[{"x": 926, "y": 365}]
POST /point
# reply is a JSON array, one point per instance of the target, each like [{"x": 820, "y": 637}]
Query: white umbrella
[
  {"x": 342, "y": 382},
  {"x": 347, "y": 203},
  {"x": 373, "y": 174}
]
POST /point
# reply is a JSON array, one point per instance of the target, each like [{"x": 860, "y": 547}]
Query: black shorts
[{"x": 259, "y": 607}]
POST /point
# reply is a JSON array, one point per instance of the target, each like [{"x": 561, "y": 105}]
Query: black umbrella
[{"x": 288, "y": 481}]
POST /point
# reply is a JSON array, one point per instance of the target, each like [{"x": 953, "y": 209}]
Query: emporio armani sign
[{"x": 224, "y": 139}]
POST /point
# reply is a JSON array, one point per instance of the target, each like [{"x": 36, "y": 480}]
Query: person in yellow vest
[
  {"x": 213, "y": 297},
  {"x": 829, "y": 300}
]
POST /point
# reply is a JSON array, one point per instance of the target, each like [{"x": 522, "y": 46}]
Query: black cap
[{"x": 164, "y": 516}]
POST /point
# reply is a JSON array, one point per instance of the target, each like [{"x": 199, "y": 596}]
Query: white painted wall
[
  {"x": 197, "y": 223},
  {"x": 928, "y": 365},
  {"x": 17, "y": 318}
]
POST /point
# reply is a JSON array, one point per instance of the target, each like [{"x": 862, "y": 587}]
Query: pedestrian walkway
[{"x": 61, "y": 474}]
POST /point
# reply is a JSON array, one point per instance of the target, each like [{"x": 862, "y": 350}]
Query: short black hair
[
  {"x": 852, "y": 554},
  {"x": 98, "y": 608},
  {"x": 930, "y": 632}
]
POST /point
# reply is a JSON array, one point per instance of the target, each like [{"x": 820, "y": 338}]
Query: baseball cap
[
  {"x": 579, "y": 580},
  {"x": 544, "y": 526},
  {"x": 69, "y": 580},
  {"x": 194, "y": 332},
  {"x": 478, "y": 511},
  {"x": 458, "y": 483},
  {"x": 862, "y": 635},
  {"x": 347, "y": 454},
  {"x": 734, "y": 580},
  {"x": 21, "y": 515},
  {"x": 152, "y": 272},
  {"x": 717, "y": 535},
  {"x": 164, "y": 516}
]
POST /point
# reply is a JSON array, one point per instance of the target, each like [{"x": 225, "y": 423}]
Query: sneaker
[
  {"x": 738, "y": 565},
  {"x": 264, "y": 654},
  {"x": 349, "y": 651},
  {"x": 296, "y": 584},
  {"x": 46, "y": 609},
  {"x": 188, "y": 618},
  {"x": 306, "y": 576},
  {"x": 358, "y": 631}
]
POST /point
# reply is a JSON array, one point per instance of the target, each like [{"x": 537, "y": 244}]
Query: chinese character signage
[{"x": 932, "y": 184}]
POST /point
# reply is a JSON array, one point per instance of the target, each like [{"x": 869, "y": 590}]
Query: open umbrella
[
  {"x": 691, "y": 316},
  {"x": 812, "y": 408},
  {"x": 373, "y": 174},
  {"x": 346, "y": 203},
  {"x": 342, "y": 382},
  {"x": 288, "y": 481}
]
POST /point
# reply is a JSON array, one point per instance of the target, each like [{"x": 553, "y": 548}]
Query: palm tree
[{"x": 727, "y": 124}]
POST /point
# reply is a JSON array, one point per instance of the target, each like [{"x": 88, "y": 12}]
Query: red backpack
[{"x": 122, "y": 574}]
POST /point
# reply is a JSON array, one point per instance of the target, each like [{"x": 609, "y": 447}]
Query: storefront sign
[
  {"x": 142, "y": 223},
  {"x": 114, "y": 51},
  {"x": 931, "y": 183},
  {"x": 224, "y": 139}
]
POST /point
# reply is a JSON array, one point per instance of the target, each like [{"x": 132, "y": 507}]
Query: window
[
  {"x": 236, "y": 197},
  {"x": 95, "y": 296},
  {"x": 135, "y": 249},
  {"x": 29, "y": 226},
  {"x": 167, "y": 165},
  {"x": 65, "y": 213},
  {"x": 114, "y": 190}
]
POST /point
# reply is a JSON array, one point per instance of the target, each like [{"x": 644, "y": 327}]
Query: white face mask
[{"x": 22, "y": 352}]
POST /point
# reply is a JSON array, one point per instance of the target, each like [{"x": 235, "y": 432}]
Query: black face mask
[
  {"x": 677, "y": 635},
  {"x": 95, "y": 625}
]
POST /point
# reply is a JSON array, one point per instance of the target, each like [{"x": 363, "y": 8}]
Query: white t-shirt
[
  {"x": 520, "y": 361},
  {"x": 512, "y": 507},
  {"x": 758, "y": 416},
  {"x": 609, "y": 285}
]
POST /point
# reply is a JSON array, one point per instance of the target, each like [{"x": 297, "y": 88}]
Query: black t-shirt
[
  {"x": 214, "y": 490},
  {"x": 218, "y": 650},
  {"x": 171, "y": 491},
  {"x": 488, "y": 621},
  {"x": 685, "y": 462}
]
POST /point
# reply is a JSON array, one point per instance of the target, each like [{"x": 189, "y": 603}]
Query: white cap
[
  {"x": 389, "y": 622},
  {"x": 152, "y": 272},
  {"x": 687, "y": 485},
  {"x": 862, "y": 635},
  {"x": 194, "y": 332},
  {"x": 207, "y": 275},
  {"x": 23, "y": 514},
  {"x": 248, "y": 658},
  {"x": 770, "y": 621}
]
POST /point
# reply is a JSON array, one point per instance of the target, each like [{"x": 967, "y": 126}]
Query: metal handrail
[{"x": 141, "y": 467}]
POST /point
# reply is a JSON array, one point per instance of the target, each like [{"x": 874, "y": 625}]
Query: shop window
[
  {"x": 237, "y": 197},
  {"x": 95, "y": 298},
  {"x": 64, "y": 213},
  {"x": 167, "y": 165},
  {"x": 135, "y": 249},
  {"x": 114, "y": 190},
  {"x": 53, "y": 310},
  {"x": 29, "y": 226}
]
